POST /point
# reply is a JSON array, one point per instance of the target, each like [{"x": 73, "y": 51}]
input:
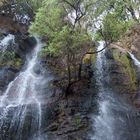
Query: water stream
[
  {"x": 115, "y": 119},
  {"x": 135, "y": 60},
  {"x": 6, "y": 41},
  {"x": 21, "y": 103}
]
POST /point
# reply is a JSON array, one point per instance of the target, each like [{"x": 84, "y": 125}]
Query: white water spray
[
  {"x": 136, "y": 61},
  {"x": 22, "y": 91},
  {"x": 103, "y": 123},
  {"x": 113, "y": 119},
  {"x": 18, "y": 88},
  {"x": 6, "y": 41}
]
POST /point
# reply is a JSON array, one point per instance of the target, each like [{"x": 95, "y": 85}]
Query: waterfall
[
  {"x": 115, "y": 119},
  {"x": 22, "y": 100},
  {"x": 99, "y": 66},
  {"x": 136, "y": 61},
  {"x": 103, "y": 122},
  {"x": 6, "y": 41}
]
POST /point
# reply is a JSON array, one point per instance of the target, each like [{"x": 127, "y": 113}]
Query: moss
[
  {"x": 77, "y": 121},
  {"x": 89, "y": 58},
  {"x": 9, "y": 59},
  {"x": 94, "y": 58},
  {"x": 127, "y": 68}
]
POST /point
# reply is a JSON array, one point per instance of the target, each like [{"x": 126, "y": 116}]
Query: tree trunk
[
  {"x": 68, "y": 67},
  {"x": 80, "y": 71}
]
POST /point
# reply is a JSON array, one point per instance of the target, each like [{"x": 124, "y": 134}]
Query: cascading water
[
  {"x": 136, "y": 61},
  {"x": 20, "y": 104},
  {"x": 6, "y": 41},
  {"x": 115, "y": 119}
]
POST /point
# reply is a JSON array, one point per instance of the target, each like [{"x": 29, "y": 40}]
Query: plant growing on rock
[{"x": 9, "y": 59}]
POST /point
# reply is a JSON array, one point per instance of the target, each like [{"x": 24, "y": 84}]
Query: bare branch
[
  {"x": 96, "y": 51},
  {"x": 69, "y": 3}
]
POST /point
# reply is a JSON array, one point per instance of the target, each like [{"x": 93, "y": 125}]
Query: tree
[
  {"x": 113, "y": 18},
  {"x": 114, "y": 28},
  {"x": 126, "y": 9},
  {"x": 66, "y": 25},
  {"x": 65, "y": 38}
]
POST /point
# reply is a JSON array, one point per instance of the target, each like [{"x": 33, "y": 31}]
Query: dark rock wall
[{"x": 122, "y": 76}]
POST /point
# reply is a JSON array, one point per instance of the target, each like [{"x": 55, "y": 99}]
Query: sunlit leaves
[{"x": 114, "y": 28}]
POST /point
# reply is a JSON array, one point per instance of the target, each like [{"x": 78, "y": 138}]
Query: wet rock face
[
  {"x": 122, "y": 76},
  {"x": 10, "y": 67},
  {"x": 8, "y": 24},
  {"x": 6, "y": 75},
  {"x": 24, "y": 46},
  {"x": 120, "y": 72}
]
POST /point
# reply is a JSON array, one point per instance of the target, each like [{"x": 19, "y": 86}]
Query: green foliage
[
  {"x": 98, "y": 36},
  {"x": 34, "y": 4},
  {"x": 48, "y": 20},
  {"x": 67, "y": 39},
  {"x": 114, "y": 17},
  {"x": 127, "y": 68},
  {"x": 126, "y": 9},
  {"x": 59, "y": 42},
  {"x": 64, "y": 39},
  {"x": 114, "y": 28},
  {"x": 9, "y": 59}
]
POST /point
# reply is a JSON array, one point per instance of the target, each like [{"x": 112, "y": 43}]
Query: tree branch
[{"x": 69, "y": 3}]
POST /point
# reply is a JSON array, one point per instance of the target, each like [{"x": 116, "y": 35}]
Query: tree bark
[{"x": 69, "y": 69}]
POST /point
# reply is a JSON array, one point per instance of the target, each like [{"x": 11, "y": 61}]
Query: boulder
[{"x": 24, "y": 46}]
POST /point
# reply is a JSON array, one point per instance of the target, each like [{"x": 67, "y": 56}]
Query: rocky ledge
[{"x": 69, "y": 118}]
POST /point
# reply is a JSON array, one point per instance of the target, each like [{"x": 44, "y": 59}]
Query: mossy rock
[
  {"x": 127, "y": 69},
  {"x": 15, "y": 63},
  {"x": 9, "y": 59},
  {"x": 89, "y": 58}
]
